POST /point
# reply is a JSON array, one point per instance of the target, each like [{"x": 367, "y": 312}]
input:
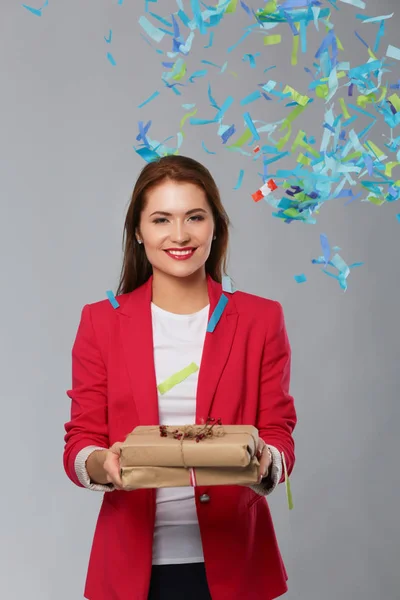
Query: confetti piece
[
  {"x": 398, "y": 217},
  {"x": 240, "y": 180},
  {"x": 108, "y": 40},
  {"x": 227, "y": 284},
  {"x": 149, "y": 99},
  {"x": 215, "y": 317},
  {"x": 154, "y": 32},
  {"x": 36, "y": 11},
  {"x": 356, "y": 3},
  {"x": 272, "y": 40},
  {"x": 340, "y": 265},
  {"x": 251, "y": 126},
  {"x": 298, "y": 98},
  {"x": 287, "y": 484},
  {"x": 250, "y": 98},
  {"x": 204, "y": 148},
  {"x": 393, "y": 52},
  {"x": 251, "y": 58},
  {"x": 111, "y": 59},
  {"x": 326, "y": 249},
  {"x": 300, "y": 278},
  {"x": 177, "y": 378},
  {"x": 211, "y": 40},
  {"x": 264, "y": 191},
  {"x": 147, "y": 154},
  {"x": 112, "y": 299}
]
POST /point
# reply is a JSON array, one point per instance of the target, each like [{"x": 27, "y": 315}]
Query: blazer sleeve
[
  {"x": 276, "y": 417},
  {"x": 88, "y": 425}
]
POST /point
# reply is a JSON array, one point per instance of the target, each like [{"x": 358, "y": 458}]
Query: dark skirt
[{"x": 179, "y": 582}]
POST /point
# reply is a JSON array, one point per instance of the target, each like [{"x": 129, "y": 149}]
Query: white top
[{"x": 178, "y": 342}]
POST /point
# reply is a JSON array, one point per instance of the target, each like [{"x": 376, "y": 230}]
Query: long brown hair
[{"x": 136, "y": 269}]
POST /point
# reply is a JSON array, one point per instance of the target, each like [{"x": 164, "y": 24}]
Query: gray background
[{"x": 67, "y": 168}]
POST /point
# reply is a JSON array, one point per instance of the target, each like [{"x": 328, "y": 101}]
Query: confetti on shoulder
[
  {"x": 113, "y": 301},
  {"x": 217, "y": 313}
]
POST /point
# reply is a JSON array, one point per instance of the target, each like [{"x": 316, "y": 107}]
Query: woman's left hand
[{"x": 265, "y": 458}]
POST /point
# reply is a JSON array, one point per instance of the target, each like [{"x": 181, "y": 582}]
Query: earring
[
  {"x": 215, "y": 237},
  {"x": 139, "y": 241}
]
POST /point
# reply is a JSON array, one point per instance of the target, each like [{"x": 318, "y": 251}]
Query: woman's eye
[
  {"x": 197, "y": 217},
  {"x": 159, "y": 220}
]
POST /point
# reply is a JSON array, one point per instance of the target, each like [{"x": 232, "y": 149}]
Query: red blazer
[{"x": 243, "y": 378}]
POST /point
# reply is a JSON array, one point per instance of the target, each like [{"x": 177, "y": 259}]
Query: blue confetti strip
[
  {"x": 111, "y": 59},
  {"x": 112, "y": 299},
  {"x": 217, "y": 313}
]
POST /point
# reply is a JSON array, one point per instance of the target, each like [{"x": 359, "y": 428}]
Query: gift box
[
  {"x": 134, "y": 478},
  {"x": 190, "y": 455}
]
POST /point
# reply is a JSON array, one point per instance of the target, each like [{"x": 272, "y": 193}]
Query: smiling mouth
[{"x": 183, "y": 254}]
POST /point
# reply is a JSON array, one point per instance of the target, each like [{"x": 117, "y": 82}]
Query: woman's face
[{"x": 177, "y": 228}]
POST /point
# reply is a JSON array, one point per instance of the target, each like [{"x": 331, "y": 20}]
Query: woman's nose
[{"x": 179, "y": 233}]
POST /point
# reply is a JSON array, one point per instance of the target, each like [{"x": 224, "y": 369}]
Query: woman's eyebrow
[{"x": 167, "y": 214}]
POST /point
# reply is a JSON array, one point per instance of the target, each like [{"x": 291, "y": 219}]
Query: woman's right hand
[{"x": 112, "y": 465}]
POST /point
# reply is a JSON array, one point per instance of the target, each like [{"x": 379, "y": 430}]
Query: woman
[{"x": 179, "y": 543}]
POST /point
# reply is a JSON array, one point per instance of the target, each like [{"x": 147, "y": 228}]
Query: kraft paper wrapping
[
  {"x": 144, "y": 447},
  {"x": 161, "y": 477}
]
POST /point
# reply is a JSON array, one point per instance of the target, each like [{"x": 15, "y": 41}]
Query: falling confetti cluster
[
  {"x": 326, "y": 169},
  {"x": 344, "y": 162}
]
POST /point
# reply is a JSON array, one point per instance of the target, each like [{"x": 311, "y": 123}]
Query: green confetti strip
[
  {"x": 287, "y": 484},
  {"x": 177, "y": 378}
]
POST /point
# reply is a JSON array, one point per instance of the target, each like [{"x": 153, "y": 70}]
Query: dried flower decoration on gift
[{"x": 194, "y": 432}]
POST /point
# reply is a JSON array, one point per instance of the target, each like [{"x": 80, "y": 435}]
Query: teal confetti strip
[
  {"x": 300, "y": 278},
  {"x": 36, "y": 11},
  {"x": 112, "y": 299},
  {"x": 393, "y": 52},
  {"x": 250, "y": 98},
  {"x": 149, "y": 99},
  {"x": 326, "y": 249},
  {"x": 215, "y": 317},
  {"x": 227, "y": 285},
  {"x": 211, "y": 40},
  {"x": 111, "y": 59},
  {"x": 221, "y": 112},
  {"x": 109, "y": 38},
  {"x": 251, "y": 125},
  {"x": 356, "y": 3},
  {"x": 206, "y": 149},
  {"x": 251, "y": 58},
  {"x": 154, "y": 32},
  {"x": 147, "y": 154},
  {"x": 240, "y": 180},
  {"x": 197, "y": 74}
]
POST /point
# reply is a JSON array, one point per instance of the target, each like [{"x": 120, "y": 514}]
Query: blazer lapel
[
  {"x": 137, "y": 340},
  {"x": 217, "y": 346}
]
